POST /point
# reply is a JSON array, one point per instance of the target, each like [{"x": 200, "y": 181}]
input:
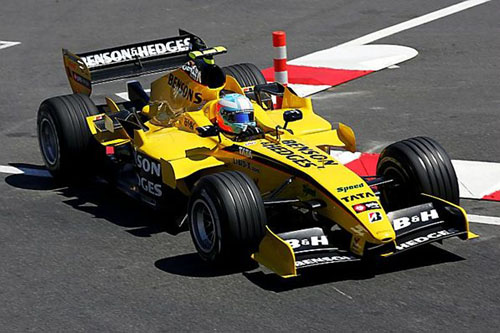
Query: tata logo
[
  {"x": 355, "y": 197},
  {"x": 245, "y": 152}
]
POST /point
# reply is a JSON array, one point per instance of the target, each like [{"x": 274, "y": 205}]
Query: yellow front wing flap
[
  {"x": 276, "y": 254},
  {"x": 470, "y": 234}
]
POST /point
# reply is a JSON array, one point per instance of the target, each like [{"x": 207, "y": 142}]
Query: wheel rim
[
  {"x": 203, "y": 225},
  {"x": 49, "y": 141},
  {"x": 396, "y": 192}
]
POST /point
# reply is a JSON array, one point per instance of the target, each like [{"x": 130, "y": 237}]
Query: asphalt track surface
[{"x": 87, "y": 259}]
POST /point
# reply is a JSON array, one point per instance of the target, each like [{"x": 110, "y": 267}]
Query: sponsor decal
[
  {"x": 423, "y": 239},
  {"x": 245, "y": 164},
  {"x": 354, "y": 197},
  {"x": 312, "y": 241},
  {"x": 357, "y": 245},
  {"x": 136, "y": 52},
  {"x": 150, "y": 187},
  {"x": 359, "y": 208},
  {"x": 81, "y": 80},
  {"x": 245, "y": 152},
  {"x": 193, "y": 71},
  {"x": 189, "y": 123},
  {"x": 358, "y": 230},
  {"x": 183, "y": 89},
  {"x": 149, "y": 168},
  {"x": 405, "y": 221},
  {"x": 305, "y": 150},
  {"x": 250, "y": 143},
  {"x": 300, "y": 160},
  {"x": 322, "y": 260},
  {"x": 350, "y": 187},
  {"x": 374, "y": 216}
]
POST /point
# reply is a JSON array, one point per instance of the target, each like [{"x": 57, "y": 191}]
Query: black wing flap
[
  {"x": 422, "y": 224},
  {"x": 312, "y": 247}
]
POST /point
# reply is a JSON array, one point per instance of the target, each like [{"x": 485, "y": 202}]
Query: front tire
[
  {"x": 65, "y": 140},
  {"x": 227, "y": 217},
  {"x": 416, "y": 165}
]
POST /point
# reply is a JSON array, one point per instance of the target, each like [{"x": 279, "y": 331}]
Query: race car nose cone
[{"x": 386, "y": 236}]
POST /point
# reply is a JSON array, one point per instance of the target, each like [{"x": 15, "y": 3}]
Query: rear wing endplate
[{"x": 85, "y": 69}]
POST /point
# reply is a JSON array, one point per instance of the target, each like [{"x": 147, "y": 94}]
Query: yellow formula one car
[{"x": 271, "y": 191}]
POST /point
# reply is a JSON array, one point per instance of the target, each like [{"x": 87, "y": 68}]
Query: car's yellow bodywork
[{"x": 179, "y": 105}]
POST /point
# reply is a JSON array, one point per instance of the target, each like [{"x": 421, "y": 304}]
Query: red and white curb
[
  {"x": 321, "y": 70},
  {"x": 477, "y": 180}
]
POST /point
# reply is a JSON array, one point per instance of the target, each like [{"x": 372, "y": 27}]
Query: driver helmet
[{"x": 235, "y": 114}]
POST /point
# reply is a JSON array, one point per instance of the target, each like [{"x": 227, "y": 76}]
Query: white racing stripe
[{"x": 414, "y": 22}]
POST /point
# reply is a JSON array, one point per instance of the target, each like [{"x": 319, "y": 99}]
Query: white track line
[
  {"x": 414, "y": 22},
  {"x": 484, "y": 219},
  {"x": 5, "y": 44},
  {"x": 26, "y": 171},
  {"x": 44, "y": 173}
]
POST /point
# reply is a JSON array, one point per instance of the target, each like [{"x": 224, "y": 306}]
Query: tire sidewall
[
  {"x": 78, "y": 150},
  {"x": 240, "y": 218}
]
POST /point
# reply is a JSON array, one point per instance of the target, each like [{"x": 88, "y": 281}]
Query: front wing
[{"x": 288, "y": 253}]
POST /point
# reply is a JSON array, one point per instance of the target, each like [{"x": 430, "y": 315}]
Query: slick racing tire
[
  {"x": 66, "y": 142},
  {"x": 246, "y": 74},
  {"x": 416, "y": 165},
  {"x": 226, "y": 215}
]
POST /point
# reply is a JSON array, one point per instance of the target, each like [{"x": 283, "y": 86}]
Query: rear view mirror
[
  {"x": 291, "y": 115},
  {"x": 263, "y": 93},
  {"x": 207, "y": 131}
]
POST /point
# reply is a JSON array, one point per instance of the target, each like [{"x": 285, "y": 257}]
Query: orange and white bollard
[{"x": 280, "y": 71}]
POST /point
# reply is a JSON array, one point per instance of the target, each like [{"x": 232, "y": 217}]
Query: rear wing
[{"x": 85, "y": 69}]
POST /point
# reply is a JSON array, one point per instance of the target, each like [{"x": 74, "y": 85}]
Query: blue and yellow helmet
[{"x": 235, "y": 113}]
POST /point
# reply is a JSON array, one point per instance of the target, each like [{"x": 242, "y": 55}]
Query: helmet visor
[{"x": 243, "y": 117}]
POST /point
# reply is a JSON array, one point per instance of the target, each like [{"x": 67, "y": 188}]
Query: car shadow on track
[
  {"x": 193, "y": 266},
  {"x": 425, "y": 256},
  {"x": 100, "y": 200}
]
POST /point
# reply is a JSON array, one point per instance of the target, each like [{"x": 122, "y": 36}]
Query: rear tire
[
  {"x": 226, "y": 217},
  {"x": 417, "y": 165},
  {"x": 66, "y": 142},
  {"x": 246, "y": 74}
]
